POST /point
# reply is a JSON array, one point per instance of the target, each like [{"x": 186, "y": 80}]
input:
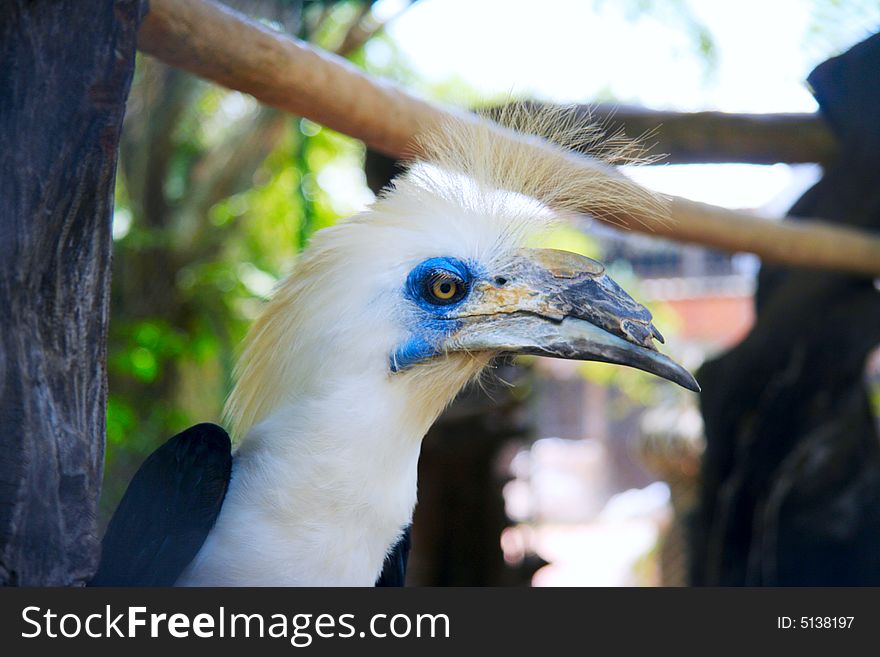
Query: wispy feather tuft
[{"x": 510, "y": 157}]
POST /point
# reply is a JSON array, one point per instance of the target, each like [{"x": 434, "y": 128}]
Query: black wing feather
[
  {"x": 394, "y": 570},
  {"x": 168, "y": 510}
]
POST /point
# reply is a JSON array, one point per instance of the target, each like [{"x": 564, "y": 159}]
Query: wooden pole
[
  {"x": 221, "y": 45},
  {"x": 704, "y": 137}
]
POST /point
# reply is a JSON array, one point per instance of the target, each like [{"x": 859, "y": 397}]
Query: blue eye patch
[
  {"x": 435, "y": 286},
  {"x": 438, "y": 284}
]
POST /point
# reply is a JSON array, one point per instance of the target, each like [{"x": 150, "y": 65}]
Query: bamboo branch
[{"x": 223, "y": 46}]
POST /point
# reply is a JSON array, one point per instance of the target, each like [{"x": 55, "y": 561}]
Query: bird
[{"x": 384, "y": 318}]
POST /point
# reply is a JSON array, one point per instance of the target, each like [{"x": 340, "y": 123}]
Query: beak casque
[{"x": 560, "y": 304}]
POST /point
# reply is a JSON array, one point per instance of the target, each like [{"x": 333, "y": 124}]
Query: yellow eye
[{"x": 444, "y": 289}]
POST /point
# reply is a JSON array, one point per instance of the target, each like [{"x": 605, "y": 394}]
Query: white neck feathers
[{"x": 323, "y": 487}]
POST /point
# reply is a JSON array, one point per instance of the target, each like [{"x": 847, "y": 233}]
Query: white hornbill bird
[{"x": 385, "y": 317}]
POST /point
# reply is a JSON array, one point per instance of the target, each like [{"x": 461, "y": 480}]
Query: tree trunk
[{"x": 65, "y": 75}]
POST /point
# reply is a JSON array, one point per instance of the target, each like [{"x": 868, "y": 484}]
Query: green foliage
[{"x": 215, "y": 197}]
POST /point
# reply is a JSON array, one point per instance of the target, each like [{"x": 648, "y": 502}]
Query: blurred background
[{"x": 558, "y": 473}]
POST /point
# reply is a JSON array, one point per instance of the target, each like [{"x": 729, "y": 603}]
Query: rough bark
[
  {"x": 791, "y": 474},
  {"x": 65, "y": 76}
]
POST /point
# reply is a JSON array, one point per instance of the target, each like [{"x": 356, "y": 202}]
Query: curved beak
[{"x": 555, "y": 303}]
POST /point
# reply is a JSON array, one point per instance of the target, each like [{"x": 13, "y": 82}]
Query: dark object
[
  {"x": 168, "y": 510},
  {"x": 791, "y": 474},
  {"x": 65, "y": 76},
  {"x": 460, "y": 515},
  {"x": 394, "y": 570}
]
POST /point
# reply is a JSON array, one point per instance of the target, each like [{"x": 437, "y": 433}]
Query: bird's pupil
[{"x": 442, "y": 288}]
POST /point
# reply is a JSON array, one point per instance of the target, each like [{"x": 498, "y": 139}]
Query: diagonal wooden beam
[{"x": 221, "y": 45}]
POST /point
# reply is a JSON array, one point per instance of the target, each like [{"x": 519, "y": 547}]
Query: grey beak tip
[
  {"x": 691, "y": 384},
  {"x": 674, "y": 372}
]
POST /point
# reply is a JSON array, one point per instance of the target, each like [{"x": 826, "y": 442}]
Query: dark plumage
[
  {"x": 394, "y": 570},
  {"x": 168, "y": 510}
]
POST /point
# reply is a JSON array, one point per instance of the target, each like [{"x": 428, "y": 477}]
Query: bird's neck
[
  {"x": 343, "y": 454},
  {"x": 326, "y": 484}
]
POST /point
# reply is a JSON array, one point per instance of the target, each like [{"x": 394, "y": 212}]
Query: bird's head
[
  {"x": 537, "y": 301},
  {"x": 430, "y": 283}
]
